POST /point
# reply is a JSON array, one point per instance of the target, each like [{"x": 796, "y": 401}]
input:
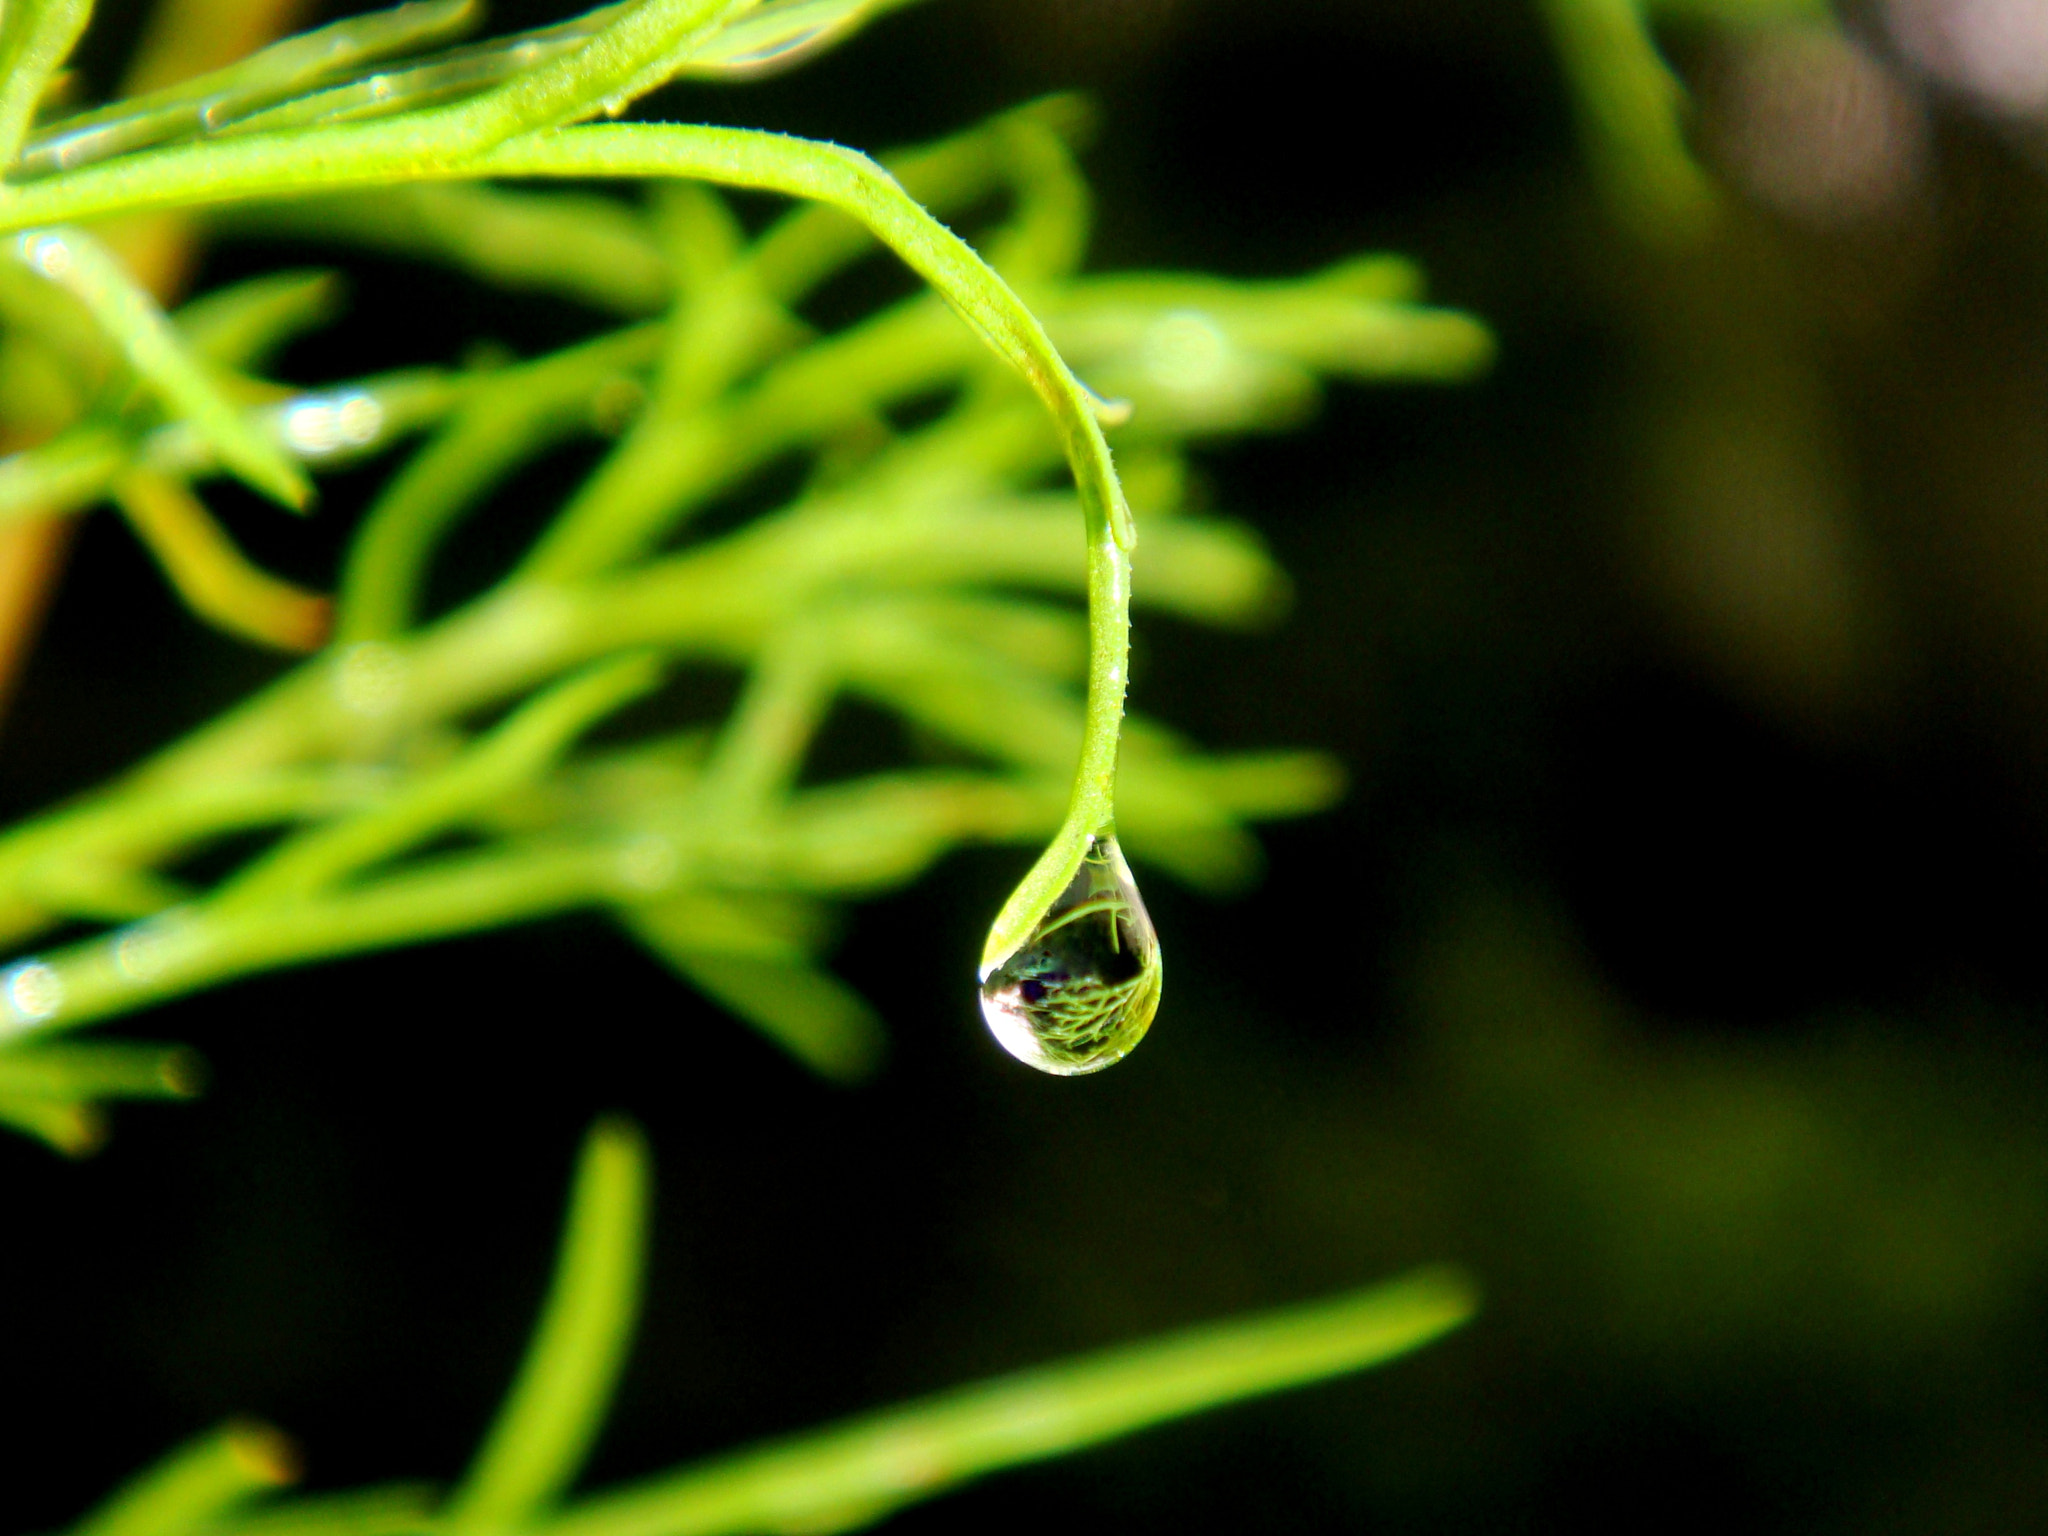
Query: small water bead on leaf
[{"x": 1080, "y": 993}]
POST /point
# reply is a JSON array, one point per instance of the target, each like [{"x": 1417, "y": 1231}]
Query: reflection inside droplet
[{"x": 1081, "y": 991}]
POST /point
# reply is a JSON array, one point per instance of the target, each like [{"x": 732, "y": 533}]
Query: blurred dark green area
[{"x": 1675, "y": 962}]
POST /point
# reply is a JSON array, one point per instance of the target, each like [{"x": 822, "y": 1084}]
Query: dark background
[{"x": 1674, "y": 962}]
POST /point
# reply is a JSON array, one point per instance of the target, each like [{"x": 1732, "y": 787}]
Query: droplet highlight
[
  {"x": 1080, "y": 993},
  {"x": 34, "y": 992},
  {"x": 317, "y": 426}
]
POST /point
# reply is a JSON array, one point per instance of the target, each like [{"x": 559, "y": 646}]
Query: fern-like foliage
[{"x": 423, "y": 773}]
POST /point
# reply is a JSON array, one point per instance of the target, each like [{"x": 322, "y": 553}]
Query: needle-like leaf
[{"x": 541, "y": 1435}]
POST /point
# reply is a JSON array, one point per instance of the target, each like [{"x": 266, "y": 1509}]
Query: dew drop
[
  {"x": 34, "y": 992},
  {"x": 316, "y": 426},
  {"x": 1079, "y": 994}
]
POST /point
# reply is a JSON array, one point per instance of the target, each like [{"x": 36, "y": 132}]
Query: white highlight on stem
[
  {"x": 320, "y": 425},
  {"x": 369, "y": 678},
  {"x": 50, "y": 254}
]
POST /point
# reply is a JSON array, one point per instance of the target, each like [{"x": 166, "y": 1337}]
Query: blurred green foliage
[
  {"x": 1674, "y": 965},
  {"x": 428, "y": 773},
  {"x": 892, "y": 573},
  {"x": 839, "y": 1479}
]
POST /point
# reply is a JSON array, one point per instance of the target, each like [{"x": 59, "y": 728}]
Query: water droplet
[
  {"x": 47, "y": 253},
  {"x": 1079, "y": 994},
  {"x": 315, "y": 426},
  {"x": 34, "y": 992}
]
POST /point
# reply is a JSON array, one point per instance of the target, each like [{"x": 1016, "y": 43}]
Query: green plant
[
  {"x": 880, "y": 577},
  {"x": 427, "y": 773},
  {"x": 839, "y": 1478}
]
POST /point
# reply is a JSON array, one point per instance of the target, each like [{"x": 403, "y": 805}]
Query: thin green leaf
[
  {"x": 757, "y": 971},
  {"x": 242, "y": 326},
  {"x": 72, "y": 1074},
  {"x": 197, "y": 1483},
  {"x": 854, "y": 1474},
  {"x": 1046, "y": 235},
  {"x": 101, "y": 891},
  {"x": 781, "y": 33},
  {"x": 838, "y": 840},
  {"x": 218, "y": 582},
  {"x": 75, "y": 1130},
  {"x": 209, "y": 102},
  {"x": 757, "y": 756},
  {"x": 36, "y": 37},
  {"x": 525, "y": 744},
  {"x": 509, "y": 418},
  {"x": 810, "y": 1013},
  {"x": 1630, "y": 106},
  {"x": 70, "y": 472},
  {"x": 806, "y": 246},
  {"x": 583, "y": 246},
  {"x": 78, "y": 263},
  {"x": 328, "y": 426},
  {"x": 542, "y": 1434},
  {"x": 394, "y": 1509}
]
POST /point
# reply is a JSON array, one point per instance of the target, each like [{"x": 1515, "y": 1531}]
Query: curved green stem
[
  {"x": 543, "y": 1432},
  {"x": 337, "y": 157}
]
